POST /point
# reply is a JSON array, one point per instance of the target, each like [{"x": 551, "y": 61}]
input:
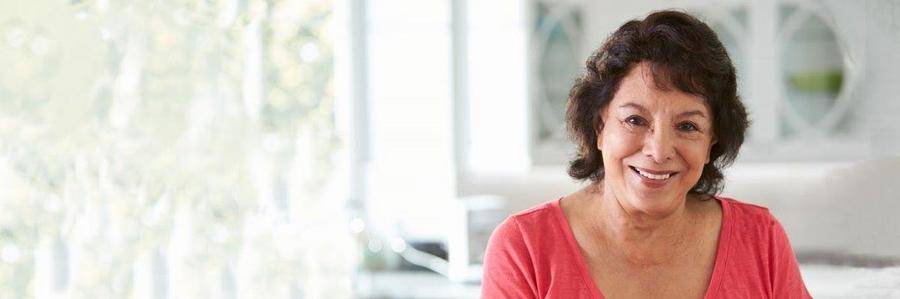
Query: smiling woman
[
  {"x": 656, "y": 117},
  {"x": 655, "y": 143}
]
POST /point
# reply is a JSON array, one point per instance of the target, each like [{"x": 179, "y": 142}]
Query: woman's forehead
[{"x": 639, "y": 87}]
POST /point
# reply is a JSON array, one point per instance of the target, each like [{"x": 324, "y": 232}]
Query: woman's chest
[
  {"x": 684, "y": 273},
  {"x": 683, "y": 281}
]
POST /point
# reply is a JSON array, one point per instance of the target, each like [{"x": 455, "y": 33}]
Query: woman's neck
[{"x": 637, "y": 238}]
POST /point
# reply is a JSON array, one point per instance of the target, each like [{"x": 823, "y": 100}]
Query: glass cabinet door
[
  {"x": 556, "y": 63},
  {"x": 813, "y": 71}
]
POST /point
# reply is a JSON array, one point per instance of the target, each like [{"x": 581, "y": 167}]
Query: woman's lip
[
  {"x": 651, "y": 183},
  {"x": 654, "y": 171}
]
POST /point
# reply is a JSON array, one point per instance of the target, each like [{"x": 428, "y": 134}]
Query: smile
[{"x": 653, "y": 175}]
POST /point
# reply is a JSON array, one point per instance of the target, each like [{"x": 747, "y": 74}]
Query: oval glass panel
[
  {"x": 813, "y": 69},
  {"x": 558, "y": 67}
]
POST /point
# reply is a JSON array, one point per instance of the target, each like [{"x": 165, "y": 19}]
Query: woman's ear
[
  {"x": 709, "y": 150},
  {"x": 598, "y": 129}
]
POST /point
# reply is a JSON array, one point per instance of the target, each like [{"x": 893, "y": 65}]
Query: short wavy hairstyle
[{"x": 683, "y": 53}]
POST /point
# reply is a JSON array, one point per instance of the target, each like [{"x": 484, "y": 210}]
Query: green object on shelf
[{"x": 820, "y": 81}]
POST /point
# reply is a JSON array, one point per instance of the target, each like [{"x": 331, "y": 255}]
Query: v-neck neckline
[{"x": 722, "y": 250}]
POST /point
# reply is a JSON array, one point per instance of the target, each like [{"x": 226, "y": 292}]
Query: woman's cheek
[{"x": 696, "y": 153}]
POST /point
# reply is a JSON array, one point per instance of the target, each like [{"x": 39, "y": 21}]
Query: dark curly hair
[{"x": 683, "y": 53}]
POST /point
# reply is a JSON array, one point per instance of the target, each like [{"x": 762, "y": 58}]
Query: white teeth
[{"x": 654, "y": 176}]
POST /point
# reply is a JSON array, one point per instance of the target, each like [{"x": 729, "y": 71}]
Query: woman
[{"x": 656, "y": 117}]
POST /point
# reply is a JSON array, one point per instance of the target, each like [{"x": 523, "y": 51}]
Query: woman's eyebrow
[
  {"x": 680, "y": 115},
  {"x": 633, "y": 105},
  {"x": 692, "y": 113}
]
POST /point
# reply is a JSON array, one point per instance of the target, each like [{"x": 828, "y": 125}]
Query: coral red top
[{"x": 533, "y": 254}]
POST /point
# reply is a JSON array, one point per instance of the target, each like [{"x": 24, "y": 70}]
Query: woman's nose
[{"x": 658, "y": 145}]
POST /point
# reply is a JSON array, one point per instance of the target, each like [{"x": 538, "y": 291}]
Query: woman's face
[{"x": 654, "y": 144}]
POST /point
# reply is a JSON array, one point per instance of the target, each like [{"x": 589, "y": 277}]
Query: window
[{"x": 170, "y": 149}]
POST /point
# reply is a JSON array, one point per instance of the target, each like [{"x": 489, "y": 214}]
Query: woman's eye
[
  {"x": 687, "y": 127},
  {"x": 635, "y": 120}
]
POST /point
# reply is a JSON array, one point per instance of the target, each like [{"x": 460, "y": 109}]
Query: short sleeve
[
  {"x": 508, "y": 270},
  {"x": 787, "y": 282}
]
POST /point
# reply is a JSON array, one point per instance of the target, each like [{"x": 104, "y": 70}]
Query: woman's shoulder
[
  {"x": 752, "y": 224},
  {"x": 538, "y": 213},
  {"x": 530, "y": 224},
  {"x": 528, "y": 256},
  {"x": 746, "y": 213},
  {"x": 541, "y": 215},
  {"x": 755, "y": 235}
]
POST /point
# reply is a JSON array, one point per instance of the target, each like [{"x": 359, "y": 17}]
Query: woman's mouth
[{"x": 653, "y": 175}]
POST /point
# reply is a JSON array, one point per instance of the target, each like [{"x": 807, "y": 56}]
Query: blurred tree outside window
[{"x": 183, "y": 149}]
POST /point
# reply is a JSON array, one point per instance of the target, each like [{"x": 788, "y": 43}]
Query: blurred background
[{"x": 367, "y": 149}]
